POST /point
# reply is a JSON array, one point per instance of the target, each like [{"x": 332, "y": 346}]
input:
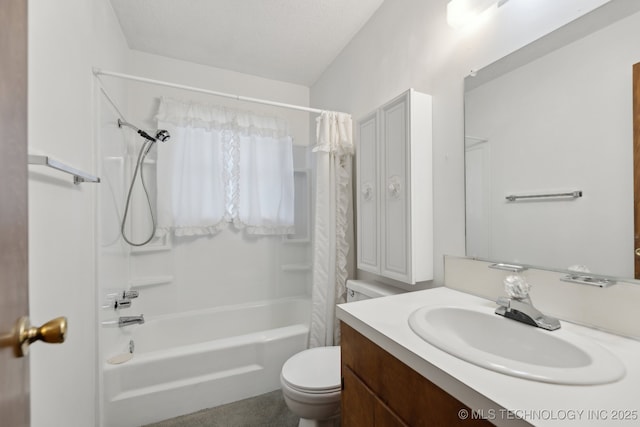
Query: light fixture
[{"x": 462, "y": 12}]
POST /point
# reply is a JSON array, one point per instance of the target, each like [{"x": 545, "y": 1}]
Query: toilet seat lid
[{"x": 314, "y": 370}]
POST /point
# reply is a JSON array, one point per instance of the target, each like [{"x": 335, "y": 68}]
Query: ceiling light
[{"x": 462, "y": 12}]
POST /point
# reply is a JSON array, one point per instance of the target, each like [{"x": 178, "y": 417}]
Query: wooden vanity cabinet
[{"x": 379, "y": 390}]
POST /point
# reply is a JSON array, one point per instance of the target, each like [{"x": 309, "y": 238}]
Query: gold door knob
[
  {"x": 637, "y": 251},
  {"x": 23, "y": 334}
]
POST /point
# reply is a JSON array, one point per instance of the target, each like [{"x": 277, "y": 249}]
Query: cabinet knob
[
  {"x": 367, "y": 192},
  {"x": 393, "y": 185}
]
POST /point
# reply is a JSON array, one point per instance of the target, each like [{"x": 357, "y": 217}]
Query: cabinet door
[
  {"x": 357, "y": 401},
  {"x": 395, "y": 259},
  {"x": 361, "y": 407},
  {"x": 367, "y": 195}
]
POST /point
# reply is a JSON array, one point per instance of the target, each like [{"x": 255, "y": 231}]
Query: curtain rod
[{"x": 98, "y": 72}]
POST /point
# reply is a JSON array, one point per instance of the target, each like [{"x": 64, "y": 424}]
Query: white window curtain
[
  {"x": 333, "y": 233},
  {"x": 223, "y": 166}
]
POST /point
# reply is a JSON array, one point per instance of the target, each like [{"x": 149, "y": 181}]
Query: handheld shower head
[{"x": 161, "y": 134}]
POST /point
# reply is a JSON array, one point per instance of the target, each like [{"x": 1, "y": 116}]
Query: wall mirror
[{"x": 555, "y": 118}]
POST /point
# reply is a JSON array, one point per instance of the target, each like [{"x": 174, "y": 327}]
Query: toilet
[{"x": 311, "y": 379}]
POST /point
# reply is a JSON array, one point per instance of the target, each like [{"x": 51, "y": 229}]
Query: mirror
[{"x": 555, "y": 117}]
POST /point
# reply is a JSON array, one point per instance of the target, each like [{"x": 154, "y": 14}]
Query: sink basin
[{"x": 483, "y": 338}]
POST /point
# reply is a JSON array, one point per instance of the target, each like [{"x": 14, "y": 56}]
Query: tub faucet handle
[
  {"x": 123, "y": 299},
  {"x": 121, "y": 303},
  {"x": 130, "y": 294}
]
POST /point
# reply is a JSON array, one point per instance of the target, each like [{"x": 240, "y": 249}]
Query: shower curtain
[{"x": 333, "y": 233}]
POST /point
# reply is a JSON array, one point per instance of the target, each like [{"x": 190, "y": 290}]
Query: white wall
[
  {"x": 66, "y": 38},
  {"x": 143, "y": 97},
  {"x": 562, "y": 123},
  {"x": 408, "y": 43}
]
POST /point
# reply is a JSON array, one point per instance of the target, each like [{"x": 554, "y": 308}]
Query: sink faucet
[
  {"x": 523, "y": 311},
  {"x": 130, "y": 320},
  {"x": 518, "y": 305}
]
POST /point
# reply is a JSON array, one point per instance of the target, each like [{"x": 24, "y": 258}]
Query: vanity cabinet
[
  {"x": 394, "y": 189},
  {"x": 380, "y": 390}
]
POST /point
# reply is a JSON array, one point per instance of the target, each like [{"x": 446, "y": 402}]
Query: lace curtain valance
[{"x": 223, "y": 166}]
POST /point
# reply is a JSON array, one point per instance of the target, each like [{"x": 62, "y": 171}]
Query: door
[
  {"x": 636, "y": 165},
  {"x": 395, "y": 243},
  {"x": 14, "y": 371},
  {"x": 367, "y": 195},
  {"x": 477, "y": 175}
]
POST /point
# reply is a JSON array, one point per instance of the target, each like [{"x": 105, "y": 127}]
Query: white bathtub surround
[
  {"x": 223, "y": 166},
  {"x": 333, "y": 257},
  {"x": 219, "y": 274},
  {"x": 191, "y": 361},
  {"x": 504, "y": 399}
]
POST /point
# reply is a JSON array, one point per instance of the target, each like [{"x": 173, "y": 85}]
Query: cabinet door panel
[
  {"x": 357, "y": 401},
  {"x": 361, "y": 407},
  {"x": 367, "y": 195},
  {"x": 384, "y": 417},
  {"x": 395, "y": 172}
]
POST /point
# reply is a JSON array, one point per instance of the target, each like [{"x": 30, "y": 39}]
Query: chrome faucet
[
  {"x": 518, "y": 305},
  {"x": 522, "y": 310},
  {"x": 123, "y": 299},
  {"x": 130, "y": 320}
]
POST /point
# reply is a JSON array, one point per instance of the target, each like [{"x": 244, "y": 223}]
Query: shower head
[{"x": 161, "y": 134}]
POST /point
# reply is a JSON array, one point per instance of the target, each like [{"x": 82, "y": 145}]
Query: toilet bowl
[
  {"x": 311, "y": 385},
  {"x": 311, "y": 381}
]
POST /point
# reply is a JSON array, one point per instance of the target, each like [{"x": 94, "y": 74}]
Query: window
[{"x": 223, "y": 167}]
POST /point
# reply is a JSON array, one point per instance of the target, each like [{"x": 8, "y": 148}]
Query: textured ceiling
[{"x": 288, "y": 40}]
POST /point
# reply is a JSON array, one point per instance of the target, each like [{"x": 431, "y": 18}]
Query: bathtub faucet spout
[{"x": 130, "y": 320}]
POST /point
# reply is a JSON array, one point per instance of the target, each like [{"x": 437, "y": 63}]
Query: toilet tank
[{"x": 358, "y": 290}]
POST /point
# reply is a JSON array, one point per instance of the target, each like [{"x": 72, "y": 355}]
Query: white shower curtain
[{"x": 333, "y": 234}]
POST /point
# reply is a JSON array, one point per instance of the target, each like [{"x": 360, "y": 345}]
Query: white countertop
[{"x": 385, "y": 322}]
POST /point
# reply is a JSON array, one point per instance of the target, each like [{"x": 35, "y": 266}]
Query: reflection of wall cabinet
[{"x": 394, "y": 190}]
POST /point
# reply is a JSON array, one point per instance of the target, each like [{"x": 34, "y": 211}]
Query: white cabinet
[{"x": 394, "y": 190}]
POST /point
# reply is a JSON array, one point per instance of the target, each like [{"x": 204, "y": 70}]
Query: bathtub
[{"x": 191, "y": 361}]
